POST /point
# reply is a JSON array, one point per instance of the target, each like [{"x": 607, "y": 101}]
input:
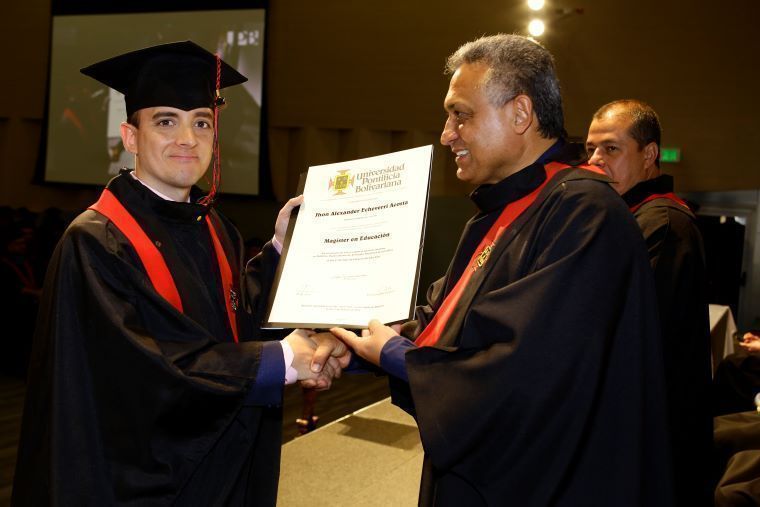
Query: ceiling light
[
  {"x": 536, "y": 4},
  {"x": 536, "y": 27}
]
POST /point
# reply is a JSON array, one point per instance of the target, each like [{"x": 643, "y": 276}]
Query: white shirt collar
[{"x": 162, "y": 196}]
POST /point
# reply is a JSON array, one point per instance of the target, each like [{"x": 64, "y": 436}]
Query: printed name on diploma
[{"x": 355, "y": 211}]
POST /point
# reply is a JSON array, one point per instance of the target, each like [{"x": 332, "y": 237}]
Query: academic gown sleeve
[
  {"x": 655, "y": 227},
  {"x": 424, "y": 314},
  {"x": 676, "y": 255},
  {"x": 124, "y": 390},
  {"x": 557, "y": 358},
  {"x": 258, "y": 280},
  {"x": 123, "y": 299}
]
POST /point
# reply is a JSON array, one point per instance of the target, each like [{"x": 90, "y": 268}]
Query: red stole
[
  {"x": 432, "y": 332},
  {"x": 155, "y": 265},
  {"x": 670, "y": 195}
]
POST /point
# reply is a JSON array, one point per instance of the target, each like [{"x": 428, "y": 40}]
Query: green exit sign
[{"x": 670, "y": 155}]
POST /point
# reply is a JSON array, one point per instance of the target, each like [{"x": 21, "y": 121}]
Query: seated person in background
[
  {"x": 737, "y": 447},
  {"x": 737, "y": 377},
  {"x": 624, "y": 141},
  {"x": 751, "y": 342}
]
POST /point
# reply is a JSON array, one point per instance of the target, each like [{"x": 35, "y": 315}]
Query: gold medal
[
  {"x": 482, "y": 257},
  {"x": 234, "y": 300}
]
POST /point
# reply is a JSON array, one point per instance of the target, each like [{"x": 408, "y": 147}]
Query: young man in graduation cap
[{"x": 151, "y": 382}]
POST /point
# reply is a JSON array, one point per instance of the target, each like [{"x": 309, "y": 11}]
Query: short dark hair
[
  {"x": 134, "y": 119},
  {"x": 517, "y": 65},
  {"x": 645, "y": 124}
]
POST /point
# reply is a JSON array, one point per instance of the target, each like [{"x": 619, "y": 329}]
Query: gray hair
[{"x": 517, "y": 65}]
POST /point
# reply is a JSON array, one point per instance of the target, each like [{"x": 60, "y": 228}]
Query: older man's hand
[{"x": 371, "y": 342}]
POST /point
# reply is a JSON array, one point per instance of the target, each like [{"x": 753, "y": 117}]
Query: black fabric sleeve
[
  {"x": 538, "y": 345},
  {"x": 122, "y": 307}
]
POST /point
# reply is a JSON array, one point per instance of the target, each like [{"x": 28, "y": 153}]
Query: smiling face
[
  {"x": 480, "y": 134},
  {"x": 173, "y": 148},
  {"x": 611, "y": 147}
]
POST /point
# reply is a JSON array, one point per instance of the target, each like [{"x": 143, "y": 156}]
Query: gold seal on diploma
[{"x": 341, "y": 182}]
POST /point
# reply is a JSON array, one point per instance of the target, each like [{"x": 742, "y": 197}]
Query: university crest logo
[{"x": 342, "y": 181}]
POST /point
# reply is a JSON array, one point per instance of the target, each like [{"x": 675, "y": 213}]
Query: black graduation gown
[
  {"x": 131, "y": 402},
  {"x": 546, "y": 386},
  {"x": 676, "y": 254}
]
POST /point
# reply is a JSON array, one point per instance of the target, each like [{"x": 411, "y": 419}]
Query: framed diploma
[{"x": 354, "y": 249}]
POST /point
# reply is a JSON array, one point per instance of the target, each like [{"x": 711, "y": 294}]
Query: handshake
[
  {"x": 317, "y": 357},
  {"x": 320, "y": 357}
]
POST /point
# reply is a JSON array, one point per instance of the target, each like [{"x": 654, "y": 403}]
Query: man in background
[{"x": 624, "y": 141}]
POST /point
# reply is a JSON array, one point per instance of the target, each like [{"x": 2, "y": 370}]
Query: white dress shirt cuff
[
  {"x": 291, "y": 375},
  {"x": 276, "y": 244}
]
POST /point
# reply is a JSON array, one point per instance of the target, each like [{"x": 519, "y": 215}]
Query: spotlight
[
  {"x": 536, "y": 4},
  {"x": 536, "y": 27}
]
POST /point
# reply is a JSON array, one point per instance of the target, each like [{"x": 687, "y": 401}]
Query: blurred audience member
[
  {"x": 19, "y": 299},
  {"x": 737, "y": 378},
  {"x": 50, "y": 226}
]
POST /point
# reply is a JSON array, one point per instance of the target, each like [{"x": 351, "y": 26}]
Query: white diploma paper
[{"x": 355, "y": 249}]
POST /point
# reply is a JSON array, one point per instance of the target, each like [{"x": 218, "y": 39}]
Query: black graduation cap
[{"x": 178, "y": 74}]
